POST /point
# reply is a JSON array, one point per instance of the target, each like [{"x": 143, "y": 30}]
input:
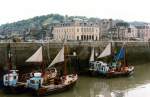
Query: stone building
[
  {"x": 76, "y": 30},
  {"x": 126, "y": 31},
  {"x": 131, "y": 32},
  {"x": 105, "y": 27},
  {"x": 144, "y": 31}
]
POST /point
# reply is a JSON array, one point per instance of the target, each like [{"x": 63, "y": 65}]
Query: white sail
[
  {"x": 36, "y": 57},
  {"x": 92, "y": 55},
  {"x": 58, "y": 58},
  {"x": 106, "y": 52}
]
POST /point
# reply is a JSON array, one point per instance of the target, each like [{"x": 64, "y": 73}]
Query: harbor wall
[{"x": 137, "y": 53}]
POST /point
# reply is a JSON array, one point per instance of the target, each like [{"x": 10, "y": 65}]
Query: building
[
  {"x": 131, "y": 32},
  {"x": 124, "y": 31},
  {"x": 76, "y": 30},
  {"x": 144, "y": 31},
  {"x": 105, "y": 26}
]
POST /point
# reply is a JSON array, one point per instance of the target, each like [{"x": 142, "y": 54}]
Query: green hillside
[{"x": 33, "y": 23}]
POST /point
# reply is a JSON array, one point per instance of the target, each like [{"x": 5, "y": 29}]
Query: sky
[{"x": 128, "y": 10}]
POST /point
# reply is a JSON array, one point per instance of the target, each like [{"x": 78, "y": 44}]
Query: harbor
[
  {"x": 26, "y": 57},
  {"x": 134, "y": 86},
  {"x": 78, "y": 48},
  {"x": 21, "y": 51}
]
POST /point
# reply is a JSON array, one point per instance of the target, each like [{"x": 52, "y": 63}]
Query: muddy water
[{"x": 137, "y": 85}]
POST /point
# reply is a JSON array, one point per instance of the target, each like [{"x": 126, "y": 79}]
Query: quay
[{"x": 137, "y": 51}]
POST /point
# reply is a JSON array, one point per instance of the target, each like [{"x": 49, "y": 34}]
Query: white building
[{"x": 76, "y": 30}]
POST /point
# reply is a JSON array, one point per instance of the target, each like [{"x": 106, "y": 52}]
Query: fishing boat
[
  {"x": 41, "y": 84},
  {"x": 37, "y": 58},
  {"x": 11, "y": 82},
  {"x": 117, "y": 67}
]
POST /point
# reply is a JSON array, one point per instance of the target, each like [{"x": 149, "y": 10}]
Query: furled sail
[
  {"x": 36, "y": 57},
  {"x": 58, "y": 58},
  {"x": 106, "y": 52},
  {"x": 92, "y": 55},
  {"x": 121, "y": 54}
]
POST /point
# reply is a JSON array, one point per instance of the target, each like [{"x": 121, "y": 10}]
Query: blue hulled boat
[{"x": 117, "y": 67}]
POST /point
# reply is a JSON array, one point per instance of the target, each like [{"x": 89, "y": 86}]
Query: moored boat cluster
[{"x": 52, "y": 80}]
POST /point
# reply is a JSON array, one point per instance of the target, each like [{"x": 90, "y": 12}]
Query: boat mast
[
  {"x": 9, "y": 57},
  {"x": 42, "y": 63},
  {"x": 112, "y": 52},
  {"x": 65, "y": 54},
  {"x": 43, "y": 66},
  {"x": 125, "y": 59},
  {"x": 65, "y": 59},
  {"x": 111, "y": 43},
  {"x": 65, "y": 51}
]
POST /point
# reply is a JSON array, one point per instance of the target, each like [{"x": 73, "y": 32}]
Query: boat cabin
[
  {"x": 99, "y": 66},
  {"x": 36, "y": 81},
  {"x": 11, "y": 78}
]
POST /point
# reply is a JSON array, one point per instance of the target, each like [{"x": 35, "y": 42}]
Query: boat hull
[
  {"x": 48, "y": 91},
  {"x": 113, "y": 74},
  {"x": 14, "y": 90},
  {"x": 1, "y": 84},
  {"x": 120, "y": 73}
]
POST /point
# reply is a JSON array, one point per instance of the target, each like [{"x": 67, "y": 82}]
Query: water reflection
[
  {"x": 117, "y": 87},
  {"x": 137, "y": 85}
]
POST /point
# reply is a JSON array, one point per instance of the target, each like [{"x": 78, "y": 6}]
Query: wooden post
[{"x": 65, "y": 59}]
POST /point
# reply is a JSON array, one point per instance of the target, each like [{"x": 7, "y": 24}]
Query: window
[
  {"x": 96, "y": 30},
  {"x": 96, "y": 37},
  {"x": 32, "y": 81},
  {"x": 84, "y": 29},
  {"x": 89, "y": 37},
  {"x": 66, "y": 30},
  {"x": 87, "y": 29},
  {"x": 92, "y": 29},
  {"x": 6, "y": 77},
  {"x": 77, "y": 30},
  {"x": 84, "y": 37},
  {"x": 38, "y": 81},
  {"x": 15, "y": 77},
  {"x": 92, "y": 37},
  {"x": 81, "y": 37},
  {"x": 77, "y": 37},
  {"x": 81, "y": 29}
]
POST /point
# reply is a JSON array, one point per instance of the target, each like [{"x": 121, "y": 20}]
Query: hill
[{"x": 34, "y": 26}]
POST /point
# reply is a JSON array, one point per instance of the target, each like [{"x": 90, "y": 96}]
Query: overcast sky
[{"x": 129, "y": 10}]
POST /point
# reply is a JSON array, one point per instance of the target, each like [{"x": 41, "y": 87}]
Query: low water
[{"x": 137, "y": 85}]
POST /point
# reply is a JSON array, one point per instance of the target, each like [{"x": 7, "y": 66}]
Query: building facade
[
  {"x": 105, "y": 27},
  {"x": 131, "y": 32},
  {"x": 76, "y": 30},
  {"x": 144, "y": 32}
]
